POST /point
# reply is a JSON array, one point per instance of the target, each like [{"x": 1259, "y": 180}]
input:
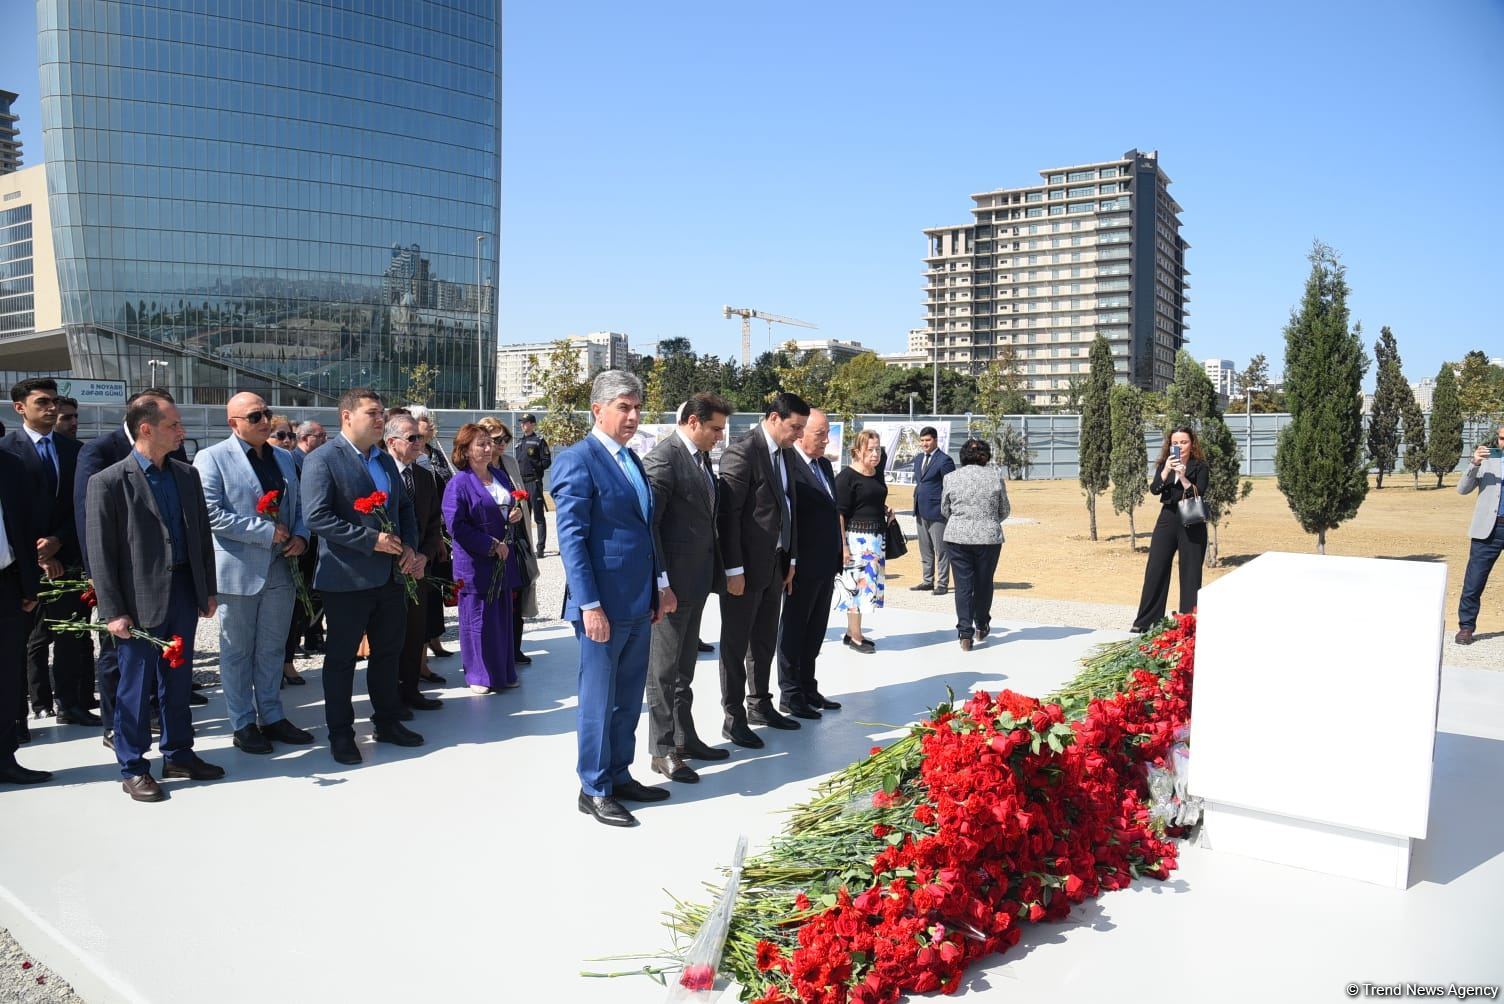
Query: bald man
[{"x": 251, "y": 561}]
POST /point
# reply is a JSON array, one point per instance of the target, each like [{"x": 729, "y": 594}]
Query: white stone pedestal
[{"x": 1315, "y": 711}]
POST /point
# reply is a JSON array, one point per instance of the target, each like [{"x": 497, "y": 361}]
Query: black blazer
[
  {"x": 1196, "y": 472},
  {"x": 94, "y": 456},
  {"x": 817, "y": 521},
  {"x": 751, "y": 515},
  {"x": 15, "y": 500},
  {"x": 53, "y": 514},
  {"x": 426, "y": 508},
  {"x": 684, "y": 525}
]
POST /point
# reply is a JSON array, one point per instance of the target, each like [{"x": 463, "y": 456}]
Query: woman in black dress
[
  {"x": 862, "y": 502},
  {"x": 1181, "y": 471}
]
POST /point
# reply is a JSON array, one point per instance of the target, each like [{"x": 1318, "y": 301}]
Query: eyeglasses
[
  {"x": 255, "y": 417},
  {"x": 500, "y": 440},
  {"x": 281, "y": 435},
  {"x": 414, "y": 438}
]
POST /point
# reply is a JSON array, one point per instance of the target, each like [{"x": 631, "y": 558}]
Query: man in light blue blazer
[
  {"x": 360, "y": 571},
  {"x": 251, "y": 561},
  {"x": 1483, "y": 474},
  {"x": 604, "y": 524}
]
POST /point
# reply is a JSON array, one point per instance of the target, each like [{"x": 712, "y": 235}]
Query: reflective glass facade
[{"x": 275, "y": 195}]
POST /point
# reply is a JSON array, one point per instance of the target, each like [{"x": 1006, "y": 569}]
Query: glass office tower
[{"x": 288, "y": 197}]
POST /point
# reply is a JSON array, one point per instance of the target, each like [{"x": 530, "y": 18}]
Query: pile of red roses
[{"x": 1021, "y": 813}]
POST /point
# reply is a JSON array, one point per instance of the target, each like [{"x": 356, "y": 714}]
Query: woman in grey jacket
[{"x": 974, "y": 503}]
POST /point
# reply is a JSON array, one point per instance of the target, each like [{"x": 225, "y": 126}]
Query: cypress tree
[
  {"x": 1415, "y": 435},
  {"x": 1096, "y": 427},
  {"x": 1130, "y": 459},
  {"x": 1444, "y": 442},
  {"x": 1388, "y": 405},
  {"x": 1319, "y": 460}
]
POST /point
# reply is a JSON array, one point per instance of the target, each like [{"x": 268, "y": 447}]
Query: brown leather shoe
[
  {"x": 965, "y": 644},
  {"x": 674, "y": 768},
  {"x": 143, "y": 788},
  {"x": 1464, "y": 636}
]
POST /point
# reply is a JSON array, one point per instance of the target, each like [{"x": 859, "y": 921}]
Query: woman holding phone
[{"x": 1180, "y": 473}]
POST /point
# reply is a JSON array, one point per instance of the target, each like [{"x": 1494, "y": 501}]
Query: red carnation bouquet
[
  {"x": 73, "y": 584},
  {"x": 269, "y": 506},
  {"x": 374, "y": 504},
  {"x": 499, "y": 573},
  {"x": 174, "y": 651},
  {"x": 449, "y": 589}
]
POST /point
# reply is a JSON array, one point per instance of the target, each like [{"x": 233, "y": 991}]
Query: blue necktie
[
  {"x": 635, "y": 476},
  {"x": 49, "y": 463}
]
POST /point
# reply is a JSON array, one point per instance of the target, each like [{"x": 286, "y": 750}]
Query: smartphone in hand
[
  {"x": 1496, "y": 452},
  {"x": 1175, "y": 451}
]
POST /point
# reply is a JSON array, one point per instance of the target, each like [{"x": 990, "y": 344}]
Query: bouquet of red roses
[
  {"x": 175, "y": 651},
  {"x": 269, "y": 506},
  {"x": 374, "y": 504},
  {"x": 499, "y": 573}
]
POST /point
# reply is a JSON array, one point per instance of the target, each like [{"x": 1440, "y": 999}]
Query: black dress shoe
[
  {"x": 345, "y": 750},
  {"x": 764, "y": 714},
  {"x": 800, "y": 710},
  {"x": 606, "y": 810},
  {"x": 78, "y": 716},
  {"x": 193, "y": 768},
  {"x": 14, "y": 773},
  {"x": 422, "y": 702},
  {"x": 819, "y": 700},
  {"x": 196, "y": 699},
  {"x": 293, "y": 681},
  {"x": 284, "y": 731},
  {"x": 433, "y": 678},
  {"x": 636, "y": 791},
  {"x": 404, "y": 714},
  {"x": 704, "y": 646},
  {"x": 399, "y": 735},
  {"x": 921, "y": 587},
  {"x": 941, "y": 590},
  {"x": 143, "y": 788},
  {"x": 250, "y": 740},
  {"x": 742, "y": 736},
  {"x": 109, "y": 740},
  {"x": 437, "y": 648},
  {"x": 695, "y": 749},
  {"x": 865, "y": 646},
  {"x": 521, "y": 659},
  {"x": 674, "y": 768},
  {"x": 313, "y": 644}
]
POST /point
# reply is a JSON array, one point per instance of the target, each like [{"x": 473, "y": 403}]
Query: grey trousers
[
  {"x": 932, "y": 551},
  {"x": 671, "y": 672}
]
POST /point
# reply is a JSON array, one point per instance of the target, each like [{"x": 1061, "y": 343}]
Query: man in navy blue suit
[
  {"x": 604, "y": 524},
  {"x": 930, "y": 469}
]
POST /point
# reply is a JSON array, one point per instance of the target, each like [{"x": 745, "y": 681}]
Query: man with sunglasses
[
  {"x": 251, "y": 562},
  {"x": 1487, "y": 531}
]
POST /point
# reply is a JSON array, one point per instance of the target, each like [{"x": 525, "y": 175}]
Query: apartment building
[
  {"x": 515, "y": 383},
  {"x": 1090, "y": 249}
]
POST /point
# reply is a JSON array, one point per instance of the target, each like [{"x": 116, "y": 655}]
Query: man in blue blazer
[
  {"x": 359, "y": 571},
  {"x": 604, "y": 523},
  {"x": 251, "y": 561},
  {"x": 930, "y": 469}
]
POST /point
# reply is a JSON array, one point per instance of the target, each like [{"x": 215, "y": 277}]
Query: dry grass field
[{"x": 1054, "y": 558}]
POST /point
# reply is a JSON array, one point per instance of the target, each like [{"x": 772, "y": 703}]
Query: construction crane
[{"x": 746, "y": 314}]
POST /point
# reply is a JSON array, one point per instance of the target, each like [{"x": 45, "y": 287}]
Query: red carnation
[
  {"x": 773, "y": 995},
  {"x": 370, "y": 503},
  {"x": 520, "y": 495},
  {"x": 701, "y": 977},
  {"x": 173, "y": 652},
  {"x": 88, "y": 598},
  {"x": 268, "y": 504}
]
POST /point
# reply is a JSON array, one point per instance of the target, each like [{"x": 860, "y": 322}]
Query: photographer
[
  {"x": 1180, "y": 474},
  {"x": 1487, "y": 531}
]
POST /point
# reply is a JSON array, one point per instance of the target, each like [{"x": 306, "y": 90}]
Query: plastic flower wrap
[{"x": 697, "y": 982}]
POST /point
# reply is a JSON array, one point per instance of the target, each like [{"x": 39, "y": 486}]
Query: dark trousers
[
  {"x": 973, "y": 566},
  {"x": 107, "y": 675},
  {"x": 415, "y": 640},
  {"x": 70, "y": 682},
  {"x": 1171, "y": 538},
  {"x": 1480, "y": 561},
  {"x": 378, "y": 615},
  {"x": 303, "y": 626},
  {"x": 535, "y": 490},
  {"x": 435, "y": 609},
  {"x": 749, "y": 640},
  {"x": 517, "y": 619},
  {"x": 674, "y": 651},
  {"x": 12, "y": 655},
  {"x": 806, "y": 614},
  {"x": 144, "y": 673}
]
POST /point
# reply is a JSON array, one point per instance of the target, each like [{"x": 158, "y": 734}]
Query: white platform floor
[{"x": 462, "y": 871}]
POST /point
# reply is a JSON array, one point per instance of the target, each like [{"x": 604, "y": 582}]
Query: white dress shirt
[{"x": 775, "y": 457}]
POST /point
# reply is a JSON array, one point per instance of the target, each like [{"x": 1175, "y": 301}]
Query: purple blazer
[{"x": 474, "y": 521}]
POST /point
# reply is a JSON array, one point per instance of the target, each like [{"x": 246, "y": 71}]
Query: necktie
[
  {"x": 635, "y": 477},
  {"x": 820, "y": 477},
  {"x": 709, "y": 478},
  {"x": 785, "y": 526},
  {"x": 407, "y": 482},
  {"x": 49, "y": 463},
  {"x": 924, "y": 464}
]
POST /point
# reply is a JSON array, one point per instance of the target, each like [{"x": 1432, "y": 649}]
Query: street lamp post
[
  {"x": 935, "y": 390},
  {"x": 153, "y": 364},
  {"x": 912, "y": 395},
  {"x": 1248, "y": 412},
  {"x": 480, "y": 339}
]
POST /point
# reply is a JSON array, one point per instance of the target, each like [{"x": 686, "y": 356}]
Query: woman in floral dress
[{"x": 862, "y": 502}]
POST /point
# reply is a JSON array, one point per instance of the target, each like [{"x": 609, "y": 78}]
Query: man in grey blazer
[
  {"x": 251, "y": 557},
  {"x": 152, "y": 562},
  {"x": 1487, "y": 531},
  {"x": 360, "y": 569},
  {"x": 684, "y": 532}
]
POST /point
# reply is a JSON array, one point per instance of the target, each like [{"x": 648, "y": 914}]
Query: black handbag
[
  {"x": 1192, "y": 510},
  {"x": 894, "y": 546}
]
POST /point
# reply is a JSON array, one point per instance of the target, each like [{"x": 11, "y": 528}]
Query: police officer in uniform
[{"x": 533, "y": 458}]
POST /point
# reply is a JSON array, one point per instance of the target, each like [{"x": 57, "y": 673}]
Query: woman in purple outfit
[{"x": 479, "y": 509}]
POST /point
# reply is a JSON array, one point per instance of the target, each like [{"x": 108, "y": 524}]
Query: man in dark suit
[
  {"x": 684, "y": 533},
  {"x": 405, "y": 446},
  {"x": 18, "y": 596},
  {"x": 95, "y": 455},
  {"x": 604, "y": 509},
  {"x": 359, "y": 571},
  {"x": 806, "y": 612},
  {"x": 50, "y": 461},
  {"x": 930, "y": 469},
  {"x": 153, "y": 569},
  {"x": 758, "y": 548}
]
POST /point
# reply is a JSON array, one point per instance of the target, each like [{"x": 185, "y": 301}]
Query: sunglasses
[
  {"x": 255, "y": 417},
  {"x": 409, "y": 439},
  {"x": 281, "y": 435}
]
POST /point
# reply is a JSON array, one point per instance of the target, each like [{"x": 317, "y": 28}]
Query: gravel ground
[{"x": 24, "y": 980}]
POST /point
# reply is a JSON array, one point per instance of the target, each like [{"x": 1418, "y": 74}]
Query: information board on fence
[
  {"x": 92, "y": 391},
  {"x": 900, "y": 440}
]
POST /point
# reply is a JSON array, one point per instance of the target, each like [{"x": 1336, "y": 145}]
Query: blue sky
[{"x": 663, "y": 159}]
